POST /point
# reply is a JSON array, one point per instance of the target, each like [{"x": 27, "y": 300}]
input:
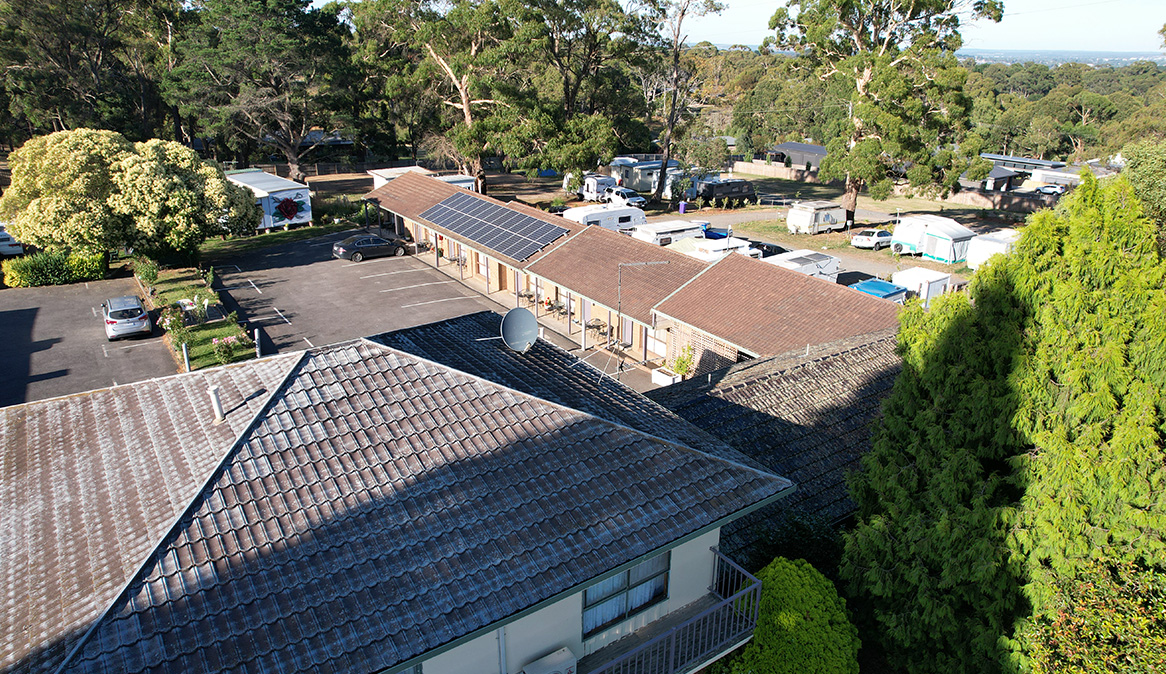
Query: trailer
[
  {"x": 812, "y": 217},
  {"x": 882, "y": 289},
  {"x": 985, "y": 246},
  {"x": 711, "y": 250},
  {"x": 283, "y": 202},
  {"x": 934, "y": 236},
  {"x": 669, "y": 231},
  {"x": 591, "y": 187},
  {"x": 926, "y": 284},
  {"x": 808, "y": 262},
  {"x": 608, "y": 216}
]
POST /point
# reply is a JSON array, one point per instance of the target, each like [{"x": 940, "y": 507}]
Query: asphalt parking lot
[
  {"x": 300, "y": 296},
  {"x": 54, "y": 343}
]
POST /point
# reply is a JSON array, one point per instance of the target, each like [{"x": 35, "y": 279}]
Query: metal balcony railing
[{"x": 710, "y": 633}]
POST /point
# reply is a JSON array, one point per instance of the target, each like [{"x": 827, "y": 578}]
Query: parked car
[
  {"x": 622, "y": 196},
  {"x": 871, "y": 238},
  {"x": 1051, "y": 189},
  {"x": 125, "y": 316},
  {"x": 9, "y": 245},
  {"x": 363, "y": 246}
]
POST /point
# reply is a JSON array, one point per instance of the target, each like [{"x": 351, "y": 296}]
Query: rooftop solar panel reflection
[{"x": 515, "y": 235}]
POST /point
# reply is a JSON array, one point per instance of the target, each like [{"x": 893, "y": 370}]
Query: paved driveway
[
  {"x": 52, "y": 343},
  {"x": 300, "y": 296}
]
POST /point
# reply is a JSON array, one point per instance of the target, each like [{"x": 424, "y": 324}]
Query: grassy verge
[
  {"x": 176, "y": 284},
  {"x": 201, "y": 345},
  {"x": 213, "y": 250}
]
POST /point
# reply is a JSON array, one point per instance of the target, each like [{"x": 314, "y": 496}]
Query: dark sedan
[{"x": 363, "y": 246}]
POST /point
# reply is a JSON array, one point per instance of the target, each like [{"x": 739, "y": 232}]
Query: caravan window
[
  {"x": 665, "y": 240},
  {"x": 591, "y": 222},
  {"x": 625, "y": 219}
]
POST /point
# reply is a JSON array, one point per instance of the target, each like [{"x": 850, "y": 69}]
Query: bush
[
  {"x": 52, "y": 268},
  {"x": 146, "y": 269},
  {"x": 803, "y": 627}
]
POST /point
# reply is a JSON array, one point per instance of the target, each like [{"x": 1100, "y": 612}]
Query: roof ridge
[
  {"x": 686, "y": 283},
  {"x": 811, "y": 361},
  {"x": 211, "y": 477},
  {"x": 529, "y": 396}
]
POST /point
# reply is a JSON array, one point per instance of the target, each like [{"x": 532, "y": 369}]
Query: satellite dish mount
[{"x": 519, "y": 329}]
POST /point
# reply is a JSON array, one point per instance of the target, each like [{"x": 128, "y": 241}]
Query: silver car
[{"x": 125, "y": 316}]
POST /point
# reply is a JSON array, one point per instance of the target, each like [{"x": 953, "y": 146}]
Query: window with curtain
[{"x": 625, "y": 594}]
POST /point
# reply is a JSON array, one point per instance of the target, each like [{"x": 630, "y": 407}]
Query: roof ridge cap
[
  {"x": 610, "y": 422},
  {"x": 227, "y": 454}
]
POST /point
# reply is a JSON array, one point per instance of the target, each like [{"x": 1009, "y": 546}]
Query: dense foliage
[
  {"x": 52, "y": 269},
  {"x": 1021, "y": 450},
  {"x": 92, "y": 191},
  {"x": 802, "y": 628}
]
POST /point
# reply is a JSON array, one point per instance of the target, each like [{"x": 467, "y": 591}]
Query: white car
[
  {"x": 871, "y": 238},
  {"x": 9, "y": 245},
  {"x": 1051, "y": 189},
  {"x": 125, "y": 316},
  {"x": 623, "y": 196}
]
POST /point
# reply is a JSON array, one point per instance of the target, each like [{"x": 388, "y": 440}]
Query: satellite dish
[{"x": 519, "y": 329}]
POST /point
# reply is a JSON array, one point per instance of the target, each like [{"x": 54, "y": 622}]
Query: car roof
[
  {"x": 124, "y": 302},
  {"x": 354, "y": 237}
]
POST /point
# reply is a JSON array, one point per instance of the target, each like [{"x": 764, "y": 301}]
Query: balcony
[{"x": 692, "y": 637}]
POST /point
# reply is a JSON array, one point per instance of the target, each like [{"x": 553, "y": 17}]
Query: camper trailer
[
  {"x": 808, "y": 262},
  {"x": 811, "y": 217},
  {"x": 724, "y": 188},
  {"x": 283, "y": 202},
  {"x": 711, "y": 250},
  {"x": 934, "y": 236},
  {"x": 985, "y": 246},
  {"x": 608, "y": 216},
  {"x": 926, "y": 284},
  {"x": 669, "y": 231},
  {"x": 591, "y": 187}
]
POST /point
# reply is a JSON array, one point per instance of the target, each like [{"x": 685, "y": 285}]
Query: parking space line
[
  {"x": 309, "y": 342},
  {"x": 418, "y": 285},
  {"x": 448, "y": 299},
  {"x": 94, "y": 310},
  {"x": 390, "y": 273},
  {"x": 281, "y": 315},
  {"x": 377, "y": 259},
  {"x": 250, "y": 282},
  {"x": 232, "y": 265},
  {"x": 134, "y": 346}
]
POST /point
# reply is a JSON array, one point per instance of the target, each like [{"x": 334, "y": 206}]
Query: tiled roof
[
  {"x": 767, "y": 310},
  {"x": 588, "y": 264},
  {"x": 806, "y": 417},
  {"x": 412, "y": 194},
  {"x": 91, "y": 482},
  {"x": 383, "y": 505},
  {"x": 548, "y": 372}
]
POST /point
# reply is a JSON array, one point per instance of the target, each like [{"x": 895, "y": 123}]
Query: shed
[
  {"x": 284, "y": 202},
  {"x": 878, "y": 288},
  {"x": 985, "y": 246},
  {"x": 922, "y": 282}
]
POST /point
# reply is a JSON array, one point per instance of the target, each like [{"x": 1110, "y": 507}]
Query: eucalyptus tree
[{"x": 907, "y": 106}]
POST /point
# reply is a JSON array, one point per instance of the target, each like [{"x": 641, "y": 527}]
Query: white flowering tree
[{"x": 92, "y": 191}]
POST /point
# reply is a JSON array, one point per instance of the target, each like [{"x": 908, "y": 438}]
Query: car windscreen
[{"x": 123, "y": 314}]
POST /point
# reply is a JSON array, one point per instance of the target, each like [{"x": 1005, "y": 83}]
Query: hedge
[{"x": 52, "y": 268}]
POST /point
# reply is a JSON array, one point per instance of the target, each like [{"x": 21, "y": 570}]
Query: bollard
[
  {"x": 258, "y": 353},
  {"x": 185, "y": 357}
]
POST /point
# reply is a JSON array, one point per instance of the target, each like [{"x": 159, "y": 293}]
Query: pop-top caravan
[{"x": 284, "y": 202}]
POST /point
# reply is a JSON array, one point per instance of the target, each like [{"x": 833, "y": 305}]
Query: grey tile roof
[
  {"x": 804, "y": 416},
  {"x": 91, "y": 482},
  {"x": 383, "y": 505},
  {"x": 550, "y": 373}
]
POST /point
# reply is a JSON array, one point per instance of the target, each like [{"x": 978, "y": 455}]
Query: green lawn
[
  {"x": 201, "y": 346},
  {"x": 213, "y": 250},
  {"x": 175, "y": 284}
]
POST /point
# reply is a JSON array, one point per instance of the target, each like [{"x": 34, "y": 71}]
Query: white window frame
[{"x": 608, "y": 593}]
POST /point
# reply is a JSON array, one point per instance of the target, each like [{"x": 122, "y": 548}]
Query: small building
[
  {"x": 382, "y": 176},
  {"x": 640, "y": 176},
  {"x": 283, "y": 202},
  {"x": 926, "y": 284},
  {"x": 798, "y": 154},
  {"x": 1000, "y": 179}
]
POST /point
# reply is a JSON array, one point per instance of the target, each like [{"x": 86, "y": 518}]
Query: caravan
[
  {"x": 935, "y": 237},
  {"x": 811, "y": 217},
  {"x": 711, "y": 250},
  {"x": 608, "y": 216},
  {"x": 669, "y": 231},
  {"x": 808, "y": 262},
  {"x": 592, "y": 186},
  {"x": 984, "y": 246}
]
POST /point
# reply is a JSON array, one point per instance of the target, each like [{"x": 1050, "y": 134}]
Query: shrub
[
  {"x": 53, "y": 268},
  {"x": 146, "y": 269},
  {"x": 173, "y": 322},
  {"x": 802, "y": 628},
  {"x": 209, "y": 277},
  {"x": 789, "y": 163},
  {"x": 683, "y": 365},
  {"x": 227, "y": 348}
]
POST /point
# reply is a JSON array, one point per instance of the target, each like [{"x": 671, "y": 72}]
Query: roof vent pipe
[{"x": 217, "y": 404}]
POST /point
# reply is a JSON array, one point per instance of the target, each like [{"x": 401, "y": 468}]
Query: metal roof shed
[{"x": 284, "y": 202}]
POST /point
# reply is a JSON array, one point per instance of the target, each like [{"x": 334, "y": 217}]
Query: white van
[
  {"x": 608, "y": 216},
  {"x": 664, "y": 233},
  {"x": 811, "y": 217}
]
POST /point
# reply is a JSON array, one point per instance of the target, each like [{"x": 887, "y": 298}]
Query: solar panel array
[{"x": 495, "y": 227}]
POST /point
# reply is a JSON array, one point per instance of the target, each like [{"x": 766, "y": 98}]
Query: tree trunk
[{"x": 850, "y": 198}]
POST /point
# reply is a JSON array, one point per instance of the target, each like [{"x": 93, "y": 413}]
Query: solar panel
[{"x": 515, "y": 235}]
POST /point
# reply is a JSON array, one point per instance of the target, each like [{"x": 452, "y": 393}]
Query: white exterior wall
[{"x": 561, "y": 624}]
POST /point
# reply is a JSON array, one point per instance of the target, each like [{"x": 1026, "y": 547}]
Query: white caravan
[
  {"x": 608, "y": 216},
  {"x": 808, "y": 262},
  {"x": 984, "y": 246},
  {"x": 669, "y": 231},
  {"x": 934, "y": 236},
  {"x": 811, "y": 217},
  {"x": 711, "y": 250},
  {"x": 592, "y": 186},
  {"x": 922, "y": 283}
]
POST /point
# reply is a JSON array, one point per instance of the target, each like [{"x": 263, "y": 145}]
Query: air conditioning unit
[{"x": 561, "y": 661}]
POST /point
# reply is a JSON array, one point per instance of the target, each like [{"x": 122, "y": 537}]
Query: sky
[{"x": 1088, "y": 25}]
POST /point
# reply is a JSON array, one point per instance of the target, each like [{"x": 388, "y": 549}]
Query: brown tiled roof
[
  {"x": 766, "y": 310},
  {"x": 382, "y": 505},
  {"x": 412, "y": 194},
  {"x": 90, "y": 483},
  {"x": 806, "y": 417},
  {"x": 588, "y": 264}
]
